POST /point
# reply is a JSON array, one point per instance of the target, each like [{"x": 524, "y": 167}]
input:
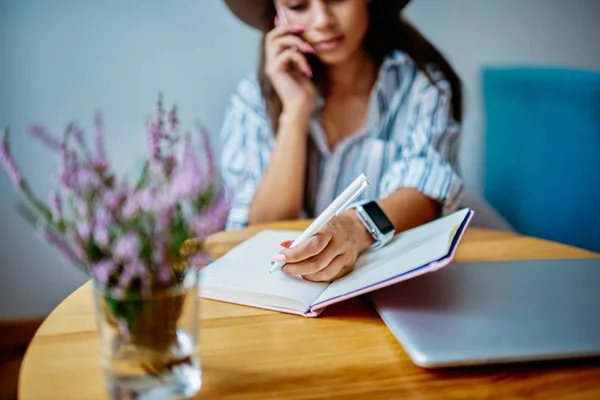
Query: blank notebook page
[{"x": 246, "y": 268}]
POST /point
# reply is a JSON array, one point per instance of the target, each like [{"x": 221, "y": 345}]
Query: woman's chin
[{"x": 333, "y": 58}]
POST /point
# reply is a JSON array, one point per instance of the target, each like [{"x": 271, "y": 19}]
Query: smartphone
[
  {"x": 281, "y": 15},
  {"x": 283, "y": 21}
]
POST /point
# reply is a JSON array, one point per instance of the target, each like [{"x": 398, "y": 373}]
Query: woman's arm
[
  {"x": 406, "y": 208},
  {"x": 281, "y": 190},
  {"x": 420, "y": 183},
  {"x": 332, "y": 252},
  {"x": 265, "y": 171}
]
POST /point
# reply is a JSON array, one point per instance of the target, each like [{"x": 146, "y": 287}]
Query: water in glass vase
[
  {"x": 149, "y": 343},
  {"x": 131, "y": 376}
]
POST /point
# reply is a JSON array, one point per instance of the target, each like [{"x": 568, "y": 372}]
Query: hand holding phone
[
  {"x": 280, "y": 19},
  {"x": 287, "y": 66}
]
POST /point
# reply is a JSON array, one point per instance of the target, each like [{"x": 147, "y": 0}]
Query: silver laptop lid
[{"x": 490, "y": 312}]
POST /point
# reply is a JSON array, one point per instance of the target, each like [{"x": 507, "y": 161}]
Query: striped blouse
[{"x": 409, "y": 140}]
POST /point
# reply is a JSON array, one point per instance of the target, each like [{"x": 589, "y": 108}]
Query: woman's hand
[
  {"x": 331, "y": 253},
  {"x": 293, "y": 84}
]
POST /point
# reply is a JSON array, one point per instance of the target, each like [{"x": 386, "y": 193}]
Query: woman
[{"x": 343, "y": 87}]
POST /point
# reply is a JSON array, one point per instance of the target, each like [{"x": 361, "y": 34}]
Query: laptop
[{"x": 496, "y": 312}]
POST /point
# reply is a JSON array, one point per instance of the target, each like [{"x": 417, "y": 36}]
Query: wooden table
[{"x": 249, "y": 353}]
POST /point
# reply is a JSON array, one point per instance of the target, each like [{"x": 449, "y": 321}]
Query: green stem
[{"x": 38, "y": 204}]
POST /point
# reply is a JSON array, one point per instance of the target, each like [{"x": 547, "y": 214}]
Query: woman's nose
[{"x": 322, "y": 15}]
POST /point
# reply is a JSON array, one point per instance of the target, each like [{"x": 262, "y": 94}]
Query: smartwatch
[{"x": 376, "y": 222}]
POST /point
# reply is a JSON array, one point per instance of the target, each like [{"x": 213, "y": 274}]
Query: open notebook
[{"x": 242, "y": 275}]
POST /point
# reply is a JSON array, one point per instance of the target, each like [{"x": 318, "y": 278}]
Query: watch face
[{"x": 378, "y": 217}]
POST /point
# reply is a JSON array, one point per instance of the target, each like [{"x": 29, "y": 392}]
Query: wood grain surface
[{"x": 347, "y": 352}]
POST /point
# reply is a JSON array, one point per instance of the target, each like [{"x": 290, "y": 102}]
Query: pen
[{"x": 336, "y": 207}]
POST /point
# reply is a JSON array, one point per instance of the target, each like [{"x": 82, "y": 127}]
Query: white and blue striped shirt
[{"x": 408, "y": 140}]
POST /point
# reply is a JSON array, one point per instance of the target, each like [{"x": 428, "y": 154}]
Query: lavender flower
[
  {"x": 56, "y": 207},
  {"x": 160, "y": 111},
  {"x": 79, "y": 248},
  {"x": 169, "y": 165},
  {"x": 164, "y": 220},
  {"x": 79, "y": 137},
  {"x": 131, "y": 209},
  {"x": 8, "y": 163},
  {"x": 155, "y": 131},
  {"x": 188, "y": 182},
  {"x": 42, "y": 134},
  {"x": 185, "y": 185},
  {"x": 85, "y": 177},
  {"x": 101, "y": 226},
  {"x": 99, "y": 138},
  {"x": 111, "y": 199},
  {"x": 84, "y": 230},
  {"x": 140, "y": 200},
  {"x": 154, "y": 143},
  {"x": 212, "y": 220},
  {"x": 114, "y": 197},
  {"x": 131, "y": 270},
  {"x": 101, "y": 235},
  {"x": 147, "y": 199},
  {"x": 173, "y": 120},
  {"x": 164, "y": 274},
  {"x": 103, "y": 270},
  {"x": 69, "y": 168},
  {"x": 82, "y": 208},
  {"x": 127, "y": 248},
  {"x": 210, "y": 159},
  {"x": 165, "y": 207}
]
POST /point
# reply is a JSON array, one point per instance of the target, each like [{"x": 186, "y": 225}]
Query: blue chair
[{"x": 542, "y": 151}]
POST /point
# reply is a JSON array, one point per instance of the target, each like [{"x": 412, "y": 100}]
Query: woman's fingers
[
  {"x": 344, "y": 271},
  {"x": 337, "y": 268},
  {"x": 290, "y": 55},
  {"x": 311, "y": 265},
  {"x": 290, "y": 42},
  {"x": 281, "y": 44},
  {"x": 282, "y": 30},
  {"x": 310, "y": 248}
]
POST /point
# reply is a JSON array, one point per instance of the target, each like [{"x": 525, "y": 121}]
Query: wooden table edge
[{"x": 224, "y": 238}]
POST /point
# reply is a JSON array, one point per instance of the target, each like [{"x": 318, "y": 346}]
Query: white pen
[{"x": 336, "y": 207}]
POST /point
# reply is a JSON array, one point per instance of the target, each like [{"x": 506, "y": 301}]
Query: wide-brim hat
[{"x": 254, "y": 12}]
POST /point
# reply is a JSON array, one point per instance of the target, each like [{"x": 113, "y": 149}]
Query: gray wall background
[{"x": 62, "y": 60}]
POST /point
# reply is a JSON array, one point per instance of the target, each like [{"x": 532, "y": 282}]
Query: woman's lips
[{"x": 329, "y": 44}]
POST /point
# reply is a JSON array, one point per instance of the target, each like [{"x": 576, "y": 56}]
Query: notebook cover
[{"x": 307, "y": 313}]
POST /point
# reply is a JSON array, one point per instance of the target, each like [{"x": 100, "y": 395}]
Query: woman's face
[{"x": 334, "y": 28}]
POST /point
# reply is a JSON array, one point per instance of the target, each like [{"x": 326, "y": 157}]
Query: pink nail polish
[{"x": 279, "y": 258}]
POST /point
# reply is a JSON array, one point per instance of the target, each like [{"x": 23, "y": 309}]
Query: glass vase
[{"x": 149, "y": 342}]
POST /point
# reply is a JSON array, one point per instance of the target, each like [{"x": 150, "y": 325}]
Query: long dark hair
[{"x": 387, "y": 31}]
